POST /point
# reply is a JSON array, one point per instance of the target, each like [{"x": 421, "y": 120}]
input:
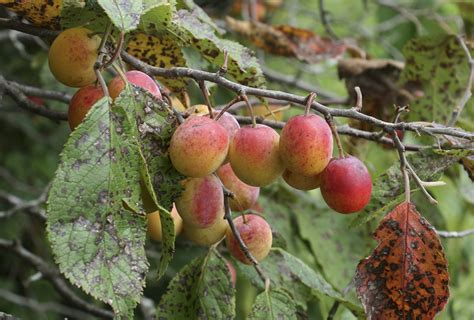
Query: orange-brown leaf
[
  {"x": 406, "y": 276},
  {"x": 287, "y": 41}
]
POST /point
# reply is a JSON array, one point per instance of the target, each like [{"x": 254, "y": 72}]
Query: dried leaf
[
  {"x": 406, "y": 277},
  {"x": 377, "y": 80},
  {"x": 288, "y": 41}
]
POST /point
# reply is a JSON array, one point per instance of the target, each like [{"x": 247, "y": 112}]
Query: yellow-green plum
[
  {"x": 198, "y": 146},
  {"x": 137, "y": 78},
  {"x": 81, "y": 103},
  {"x": 306, "y": 144},
  {"x": 301, "y": 182},
  {"x": 206, "y": 236},
  {"x": 201, "y": 203},
  {"x": 154, "y": 224},
  {"x": 72, "y": 57},
  {"x": 245, "y": 195},
  {"x": 254, "y": 155},
  {"x": 346, "y": 185},
  {"x": 256, "y": 234}
]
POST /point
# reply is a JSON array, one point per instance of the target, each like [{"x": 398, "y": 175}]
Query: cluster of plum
[{"x": 216, "y": 154}]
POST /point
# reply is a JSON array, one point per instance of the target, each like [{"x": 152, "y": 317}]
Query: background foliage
[{"x": 316, "y": 251}]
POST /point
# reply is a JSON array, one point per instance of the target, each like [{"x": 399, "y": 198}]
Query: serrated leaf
[
  {"x": 439, "y": 68},
  {"x": 326, "y": 233},
  {"x": 406, "y": 277},
  {"x": 388, "y": 188},
  {"x": 162, "y": 52},
  {"x": 155, "y": 125},
  {"x": 99, "y": 244},
  {"x": 242, "y": 65},
  {"x": 275, "y": 304},
  {"x": 201, "y": 290},
  {"x": 124, "y": 14},
  {"x": 78, "y": 13},
  {"x": 291, "y": 274},
  {"x": 157, "y": 18}
]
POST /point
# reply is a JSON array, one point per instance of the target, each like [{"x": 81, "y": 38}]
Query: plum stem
[
  {"x": 309, "y": 103},
  {"x": 249, "y": 107},
  {"x": 243, "y": 246},
  {"x": 330, "y": 122},
  {"x": 116, "y": 52},
  {"x": 205, "y": 93},
  {"x": 228, "y": 106}
]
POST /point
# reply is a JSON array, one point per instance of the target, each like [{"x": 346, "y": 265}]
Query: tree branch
[
  {"x": 177, "y": 72},
  {"x": 23, "y": 102},
  {"x": 53, "y": 275},
  {"x": 39, "y": 92},
  {"x": 27, "y": 28}
]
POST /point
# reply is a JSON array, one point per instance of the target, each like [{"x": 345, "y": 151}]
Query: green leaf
[
  {"x": 388, "y": 190},
  {"x": 201, "y": 290},
  {"x": 328, "y": 232},
  {"x": 242, "y": 65},
  {"x": 291, "y": 274},
  {"x": 157, "y": 18},
  {"x": 78, "y": 13},
  {"x": 98, "y": 244},
  {"x": 156, "y": 124},
  {"x": 124, "y": 14},
  {"x": 275, "y": 304},
  {"x": 439, "y": 67}
]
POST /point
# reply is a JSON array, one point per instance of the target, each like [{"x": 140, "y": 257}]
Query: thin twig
[
  {"x": 53, "y": 275},
  {"x": 403, "y": 164},
  {"x": 333, "y": 127},
  {"x": 243, "y": 246},
  {"x": 205, "y": 93},
  {"x": 323, "y": 14},
  {"x": 23, "y": 102},
  {"x": 455, "y": 234},
  {"x": 468, "y": 92},
  {"x": 41, "y": 308},
  {"x": 421, "y": 184}
]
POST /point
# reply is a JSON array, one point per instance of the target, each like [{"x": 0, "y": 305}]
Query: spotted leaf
[
  {"x": 275, "y": 304},
  {"x": 97, "y": 242},
  {"x": 163, "y": 52},
  {"x": 287, "y": 271},
  {"x": 242, "y": 64},
  {"x": 124, "y": 14},
  {"x": 438, "y": 68},
  {"x": 201, "y": 290},
  {"x": 406, "y": 277},
  {"x": 79, "y": 13}
]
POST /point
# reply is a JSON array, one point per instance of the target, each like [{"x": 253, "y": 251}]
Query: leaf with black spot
[
  {"x": 406, "y": 277},
  {"x": 289, "y": 273},
  {"x": 438, "y": 68},
  {"x": 124, "y": 14},
  {"x": 275, "y": 304},
  {"x": 201, "y": 290},
  {"x": 97, "y": 242}
]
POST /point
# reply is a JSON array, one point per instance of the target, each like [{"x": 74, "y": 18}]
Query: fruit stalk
[
  {"x": 331, "y": 124},
  {"x": 243, "y": 247}
]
